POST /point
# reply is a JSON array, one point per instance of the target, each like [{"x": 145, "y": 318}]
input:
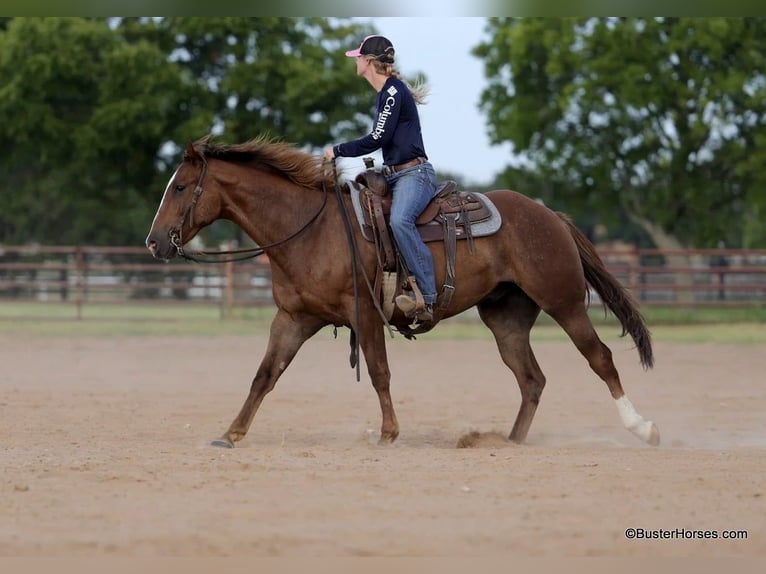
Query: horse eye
[{"x": 180, "y": 188}]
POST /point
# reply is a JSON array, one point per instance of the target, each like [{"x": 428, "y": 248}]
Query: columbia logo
[{"x": 392, "y": 90}]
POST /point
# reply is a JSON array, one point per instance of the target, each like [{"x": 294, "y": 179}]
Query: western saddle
[{"x": 448, "y": 217}]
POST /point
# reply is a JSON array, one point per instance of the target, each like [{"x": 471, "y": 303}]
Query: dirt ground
[{"x": 104, "y": 451}]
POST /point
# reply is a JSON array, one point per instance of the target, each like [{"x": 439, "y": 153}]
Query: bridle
[
  {"x": 176, "y": 239},
  {"x": 175, "y": 232}
]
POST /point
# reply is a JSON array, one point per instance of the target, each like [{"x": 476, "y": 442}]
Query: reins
[
  {"x": 246, "y": 253},
  {"x": 355, "y": 255}
]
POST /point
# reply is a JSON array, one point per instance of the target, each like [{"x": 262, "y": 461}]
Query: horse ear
[{"x": 190, "y": 153}]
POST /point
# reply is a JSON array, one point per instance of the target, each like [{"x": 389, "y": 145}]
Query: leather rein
[{"x": 241, "y": 254}]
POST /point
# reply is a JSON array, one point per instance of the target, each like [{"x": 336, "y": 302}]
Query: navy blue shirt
[{"x": 396, "y": 130}]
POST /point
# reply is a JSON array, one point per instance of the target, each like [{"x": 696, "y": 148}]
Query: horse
[{"x": 277, "y": 194}]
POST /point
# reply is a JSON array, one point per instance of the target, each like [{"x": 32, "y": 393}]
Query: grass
[
  {"x": 704, "y": 316},
  {"x": 59, "y": 320},
  {"x": 735, "y": 326}
]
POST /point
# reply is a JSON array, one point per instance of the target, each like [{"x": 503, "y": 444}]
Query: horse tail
[{"x": 613, "y": 294}]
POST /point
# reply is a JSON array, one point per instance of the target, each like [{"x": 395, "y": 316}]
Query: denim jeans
[{"x": 413, "y": 189}]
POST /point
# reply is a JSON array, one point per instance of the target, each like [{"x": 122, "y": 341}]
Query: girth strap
[{"x": 450, "y": 251}]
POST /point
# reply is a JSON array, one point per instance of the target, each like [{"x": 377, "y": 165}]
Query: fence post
[
  {"x": 80, "y": 274},
  {"x": 721, "y": 262},
  {"x": 634, "y": 277},
  {"x": 228, "y": 303}
]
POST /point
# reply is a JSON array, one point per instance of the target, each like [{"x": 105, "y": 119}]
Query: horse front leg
[
  {"x": 373, "y": 345},
  {"x": 287, "y": 335}
]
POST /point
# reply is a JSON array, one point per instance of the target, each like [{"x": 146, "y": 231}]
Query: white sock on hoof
[{"x": 635, "y": 423}]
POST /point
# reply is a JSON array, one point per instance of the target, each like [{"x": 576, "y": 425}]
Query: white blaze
[{"x": 164, "y": 195}]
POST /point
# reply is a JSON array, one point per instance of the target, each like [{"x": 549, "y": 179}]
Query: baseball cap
[{"x": 378, "y": 46}]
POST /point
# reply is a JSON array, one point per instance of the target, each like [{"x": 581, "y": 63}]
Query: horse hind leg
[
  {"x": 510, "y": 315},
  {"x": 578, "y": 326}
]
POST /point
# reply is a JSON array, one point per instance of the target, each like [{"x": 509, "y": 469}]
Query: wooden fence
[
  {"x": 106, "y": 276},
  {"x": 83, "y": 276},
  {"x": 692, "y": 278}
]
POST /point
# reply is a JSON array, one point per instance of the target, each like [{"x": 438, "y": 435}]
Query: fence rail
[{"x": 83, "y": 276}]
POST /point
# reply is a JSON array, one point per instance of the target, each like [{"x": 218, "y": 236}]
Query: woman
[{"x": 396, "y": 131}]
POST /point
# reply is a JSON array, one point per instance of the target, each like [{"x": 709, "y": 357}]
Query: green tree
[
  {"x": 85, "y": 112},
  {"x": 284, "y": 76},
  {"x": 662, "y": 120},
  {"x": 98, "y": 109}
]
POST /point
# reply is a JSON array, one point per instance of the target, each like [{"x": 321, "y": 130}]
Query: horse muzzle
[{"x": 164, "y": 248}]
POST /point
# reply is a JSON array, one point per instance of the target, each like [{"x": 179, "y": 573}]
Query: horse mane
[{"x": 298, "y": 166}]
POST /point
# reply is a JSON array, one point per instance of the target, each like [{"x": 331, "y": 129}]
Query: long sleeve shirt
[{"x": 395, "y": 131}]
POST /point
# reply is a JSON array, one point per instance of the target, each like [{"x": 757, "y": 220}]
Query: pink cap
[{"x": 375, "y": 45}]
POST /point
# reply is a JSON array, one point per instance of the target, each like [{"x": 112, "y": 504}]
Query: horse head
[{"x": 184, "y": 209}]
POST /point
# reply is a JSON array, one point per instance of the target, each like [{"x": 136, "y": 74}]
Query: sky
[{"x": 454, "y": 131}]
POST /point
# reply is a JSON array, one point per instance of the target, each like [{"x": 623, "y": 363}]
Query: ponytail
[{"x": 419, "y": 89}]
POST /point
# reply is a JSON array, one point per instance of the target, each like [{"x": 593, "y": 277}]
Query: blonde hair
[{"x": 419, "y": 89}]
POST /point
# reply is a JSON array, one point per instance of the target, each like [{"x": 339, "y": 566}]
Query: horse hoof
[
  {"x": 654, "y": 436},
  {"x": 387, "y": 439},
  {"x": 222, "y": 443}
]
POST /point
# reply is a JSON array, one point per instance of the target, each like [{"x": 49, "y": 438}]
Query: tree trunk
[{"x": 683, "y": 280}]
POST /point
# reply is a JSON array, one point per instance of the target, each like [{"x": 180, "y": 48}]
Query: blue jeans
[{"x": 413, "y": 189}]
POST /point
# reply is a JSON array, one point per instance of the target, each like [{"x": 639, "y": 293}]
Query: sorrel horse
[{"x": 278, "y": 195}]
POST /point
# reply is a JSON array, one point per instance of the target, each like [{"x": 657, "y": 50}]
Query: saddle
[{"x": 451, "y": 215}]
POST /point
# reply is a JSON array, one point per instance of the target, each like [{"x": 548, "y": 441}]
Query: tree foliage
[
  {"x": 662, "y": 120},
  {"x": 95, "y": 111}
]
